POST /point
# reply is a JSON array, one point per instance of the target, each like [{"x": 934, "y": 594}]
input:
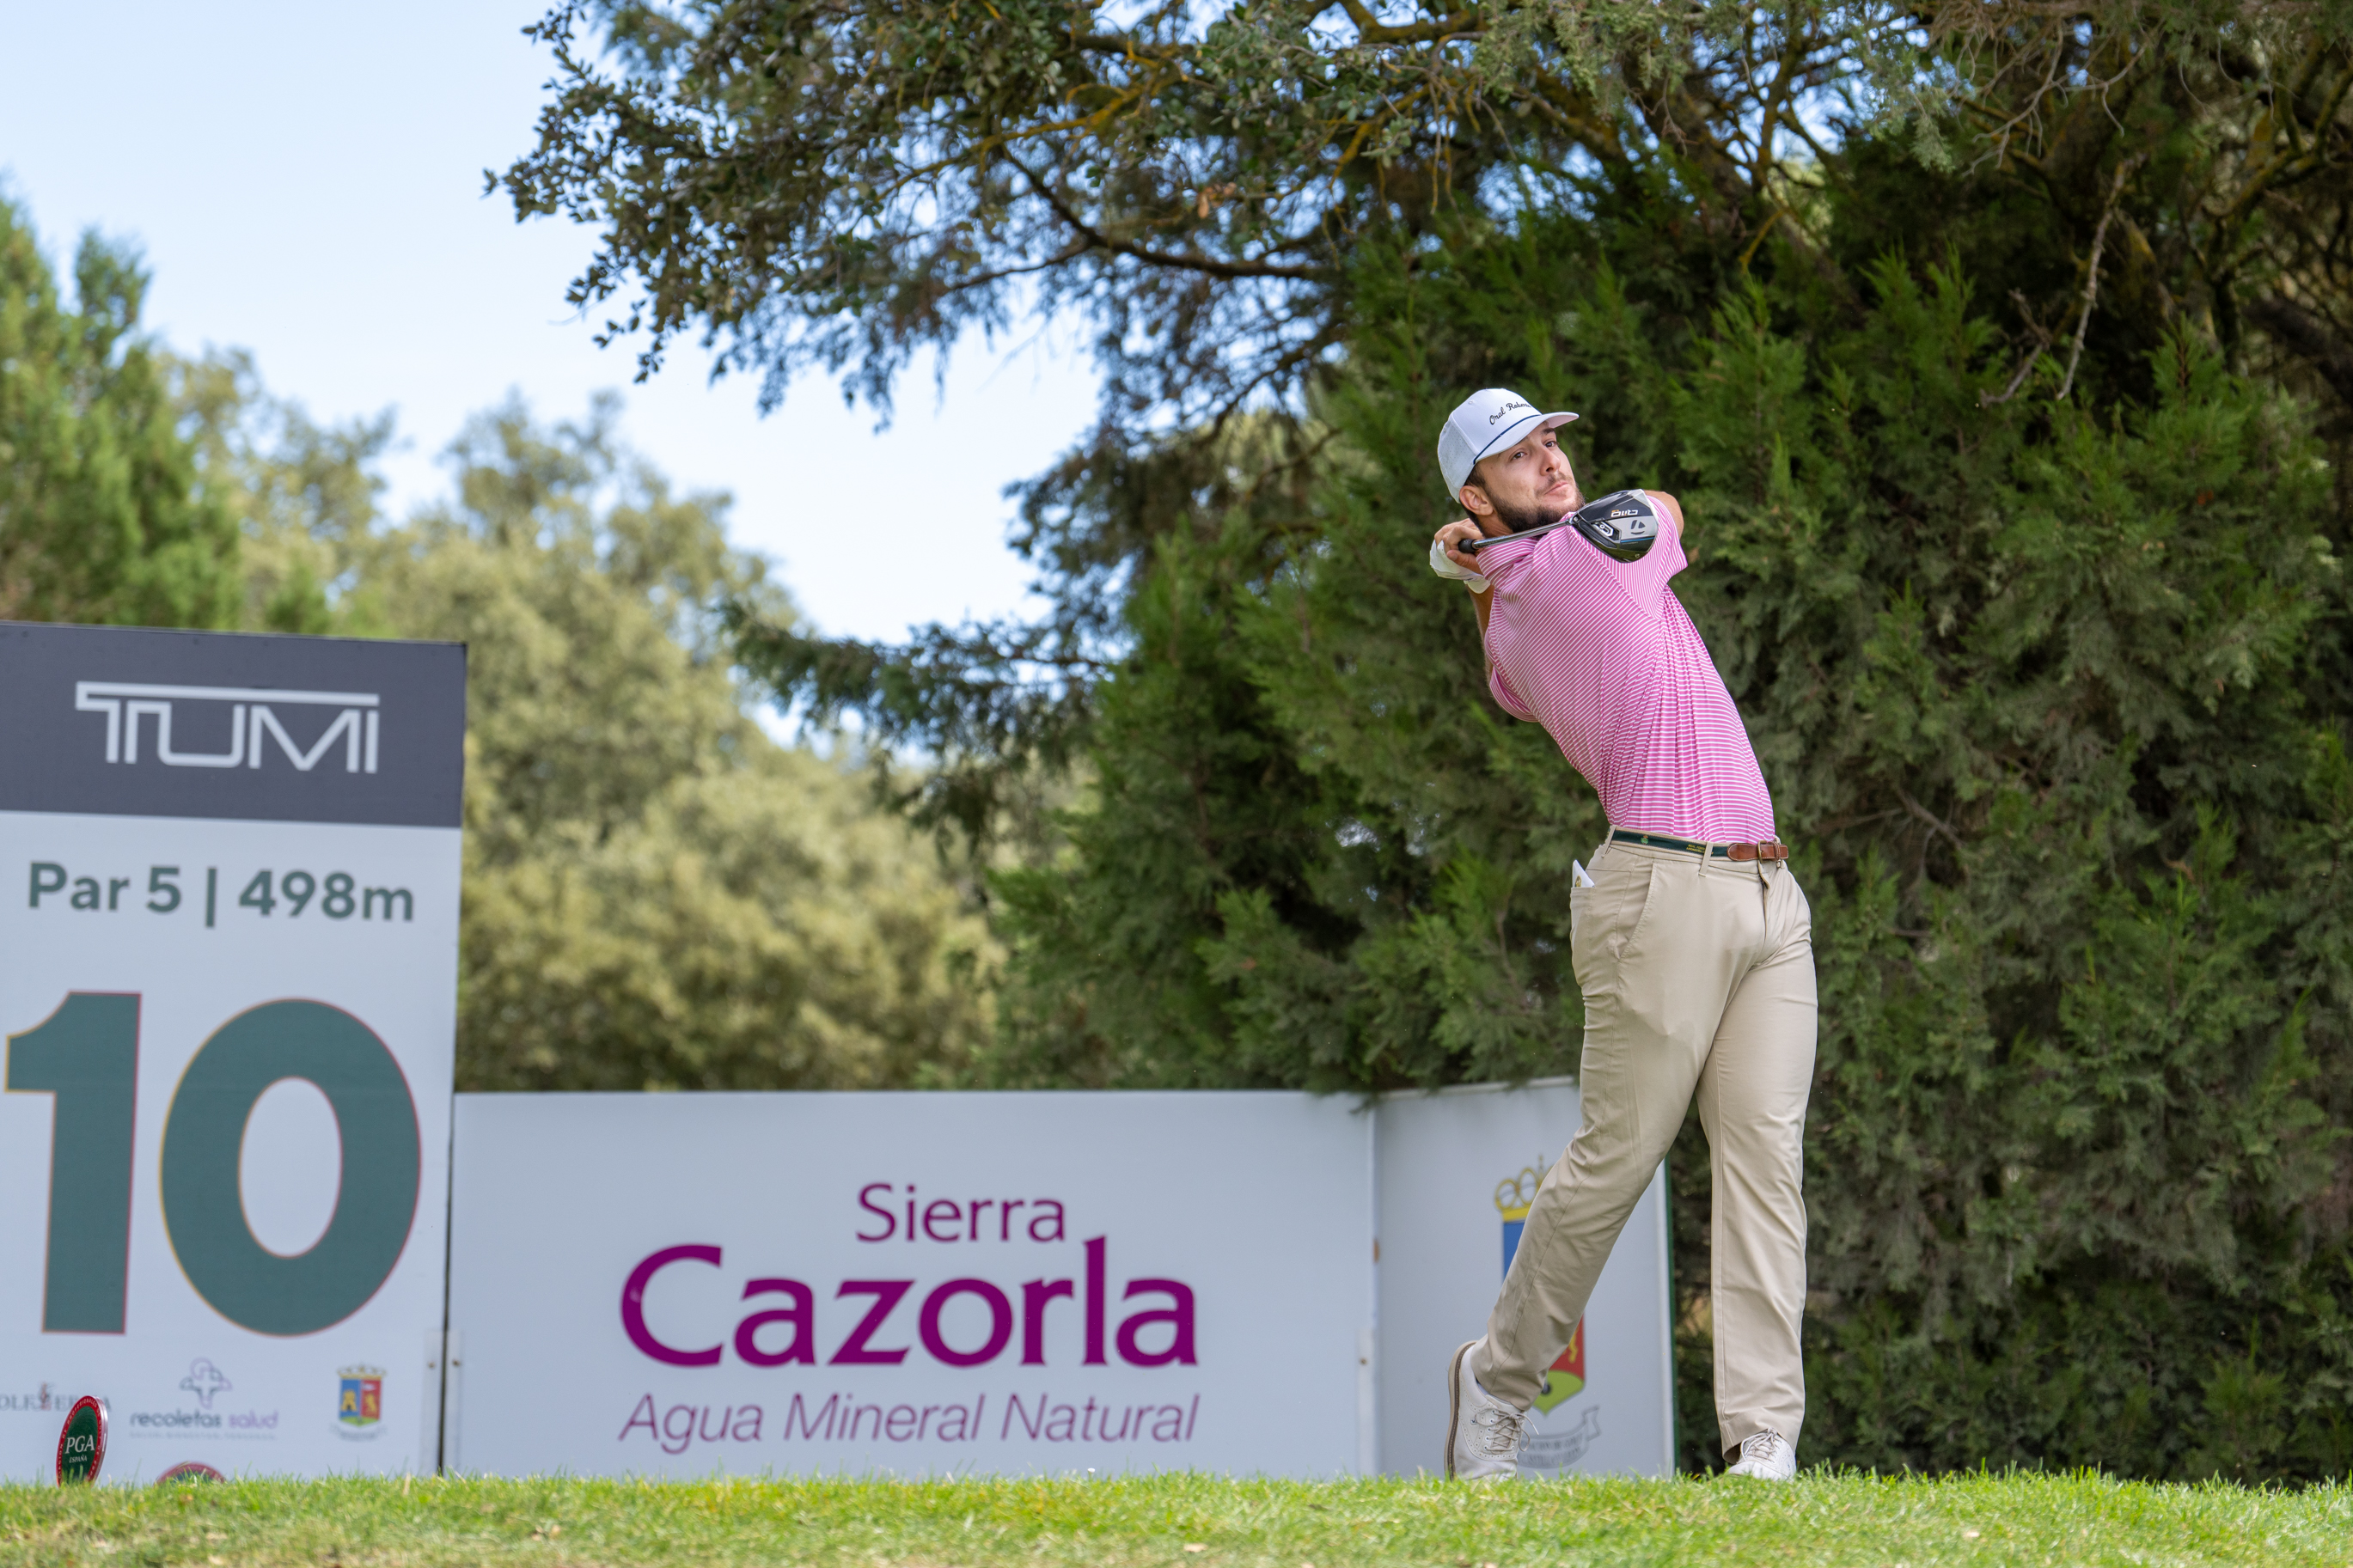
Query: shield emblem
[
  {"x": 1515, "y": 1195},
  {"x": 361, "y": 1400}
]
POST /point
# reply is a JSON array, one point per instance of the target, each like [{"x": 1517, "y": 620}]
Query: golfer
[{"x": 1692, "y": 943}]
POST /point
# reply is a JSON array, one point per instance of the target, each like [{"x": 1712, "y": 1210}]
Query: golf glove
[{"x": 1443, "y": 564}]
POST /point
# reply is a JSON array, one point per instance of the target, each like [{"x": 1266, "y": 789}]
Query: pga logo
[{"x": 134, "y": 711}]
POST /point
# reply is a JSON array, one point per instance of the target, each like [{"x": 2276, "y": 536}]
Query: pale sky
[{"x": 306, "y": 183}]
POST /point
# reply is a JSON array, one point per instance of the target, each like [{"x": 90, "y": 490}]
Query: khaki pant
[{"x": 1698, "y": 976}]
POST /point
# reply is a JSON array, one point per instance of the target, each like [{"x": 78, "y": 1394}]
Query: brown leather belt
[{"x": 1763, "y": 849}]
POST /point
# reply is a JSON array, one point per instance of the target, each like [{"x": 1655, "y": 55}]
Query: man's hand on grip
[{"x": 1452, "y": 534}]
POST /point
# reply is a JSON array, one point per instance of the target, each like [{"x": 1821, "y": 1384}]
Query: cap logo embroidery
[{"x": 1507, "y": 408}]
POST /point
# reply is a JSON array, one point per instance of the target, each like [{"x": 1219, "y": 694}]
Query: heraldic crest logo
[
  {"x": 1565, "y": 1379},
  {"x": 360, "y": 1403}
]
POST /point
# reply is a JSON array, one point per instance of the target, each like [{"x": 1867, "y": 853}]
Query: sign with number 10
[{"x": 228, "y": 905}]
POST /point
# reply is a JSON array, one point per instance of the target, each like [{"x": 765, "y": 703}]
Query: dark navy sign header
[{"x": 129, "y": 722}]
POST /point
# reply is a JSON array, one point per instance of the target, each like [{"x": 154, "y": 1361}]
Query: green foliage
[
  {"x": 835, "y": 184},
  {"x": 1170, "y": 1519},
  {"x": 104, "y": 516},
  {"x": 656, "y": 895},
  {"x": 1198, "y": 797},
  {"x": 305, "y": 495},
  {"x": 2051, "y": 700},
  {"x": 2010, "y": 537}
]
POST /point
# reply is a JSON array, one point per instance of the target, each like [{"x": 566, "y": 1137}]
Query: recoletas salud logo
[
  {"x": 1565, "y": 1379},
  {"x": 204, "y": 1380},
  {"x": 140, "y": 716},
  {"x": 210, "y": 1418}
]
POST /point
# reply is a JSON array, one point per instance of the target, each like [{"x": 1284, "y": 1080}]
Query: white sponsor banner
[
  {"x": 1457, "y": 1170},
  {"x": 228, "y": 903},
  {"x": 1011, "y": 1283},
  {"x": 911, "y": 1283}
]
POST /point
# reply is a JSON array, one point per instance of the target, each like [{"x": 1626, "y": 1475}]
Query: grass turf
[{"x": 1180, "y": 1521}]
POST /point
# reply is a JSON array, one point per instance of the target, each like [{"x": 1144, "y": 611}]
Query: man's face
[{"x": 1524, "y": 486}]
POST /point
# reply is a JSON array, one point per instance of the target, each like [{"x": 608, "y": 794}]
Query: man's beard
[{"x": 1517, "y": 518}]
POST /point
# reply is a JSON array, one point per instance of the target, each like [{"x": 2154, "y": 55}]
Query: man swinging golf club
[{"x": 1691, "y": 941}]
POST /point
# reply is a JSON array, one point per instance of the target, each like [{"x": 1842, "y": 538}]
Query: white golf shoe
[
  {"x": 1482, "y": 1433},
  {"x": 1767, "y": 1456}
]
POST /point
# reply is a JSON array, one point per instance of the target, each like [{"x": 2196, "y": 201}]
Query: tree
[
  {"x": 661, "y": 896},
  {"x": 835, "y": 186},
  {"x": 305, "y": 495},
  {"x": 2014, "y": 448},
  {"x": 103, "y": 514},
  {"x": 821, "y": 184},
  {"x": 656, "y": 894},
  {"x": 2052, "y": 703}
]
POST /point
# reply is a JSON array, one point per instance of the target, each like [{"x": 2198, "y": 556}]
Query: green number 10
[{"x": 87, "y": 1054}]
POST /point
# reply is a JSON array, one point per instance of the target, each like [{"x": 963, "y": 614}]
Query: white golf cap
[{"x": 1486, "y": 421}]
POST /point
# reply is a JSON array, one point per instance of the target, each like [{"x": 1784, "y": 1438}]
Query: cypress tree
[{"x": 2049, "y": 694}]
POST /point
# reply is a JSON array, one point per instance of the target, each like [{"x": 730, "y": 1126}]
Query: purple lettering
[
  {"x": 1087, "y": 1421},
  {"x": 633, "y": 1306},
  {"x": 1178, "y": 1316},
  {"x": 1000, "y": 1322},
  {"x": 926, "y": 1421},
  {"x": 646, "y": 1420},
  {"x": 1005, "y": 1225},
  {"x": 1038, "y": 1219},
  {"x": 886, "y": 1293},
  {"x": 682, "y": 1435},
  {"x": 1034, "y": 1297},
  {"x": 796, "y": 1414},
  {"x": 978, "y": 1204},
  {"x": 890, "y": 1221},
  {"x": 725, "y": 1416},
  {"x": 1013, "y": 1400},
  {"x": 861, "y": 1414},
  {"x": 910, "y": 1211},
  {"x": 801, "y": 1314},
  {"x": 1094, "y": 1303},
  {"x": 931, "y": 1215},
  {"x": 752, "y": 1413},
  {"x": 1060, "y": 1425},
  {"x": 900, "y": 1425},
  {"x": 1171, "y": 1417}
]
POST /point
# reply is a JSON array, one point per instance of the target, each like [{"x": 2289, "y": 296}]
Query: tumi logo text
[{"x": 241, "y": 721}]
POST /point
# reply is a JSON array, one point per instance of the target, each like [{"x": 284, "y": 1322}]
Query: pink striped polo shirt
[{"x": 1601, "y": 653}]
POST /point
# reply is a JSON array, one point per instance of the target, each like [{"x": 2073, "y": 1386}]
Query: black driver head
[{"x": 1621, "y": 525}]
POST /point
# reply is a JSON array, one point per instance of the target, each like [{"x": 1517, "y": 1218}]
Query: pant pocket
[
  {"x": 1790, "y": 914},
  {"x": 1642, "y": 922},
  {"x": 1605, "y": 917}
]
